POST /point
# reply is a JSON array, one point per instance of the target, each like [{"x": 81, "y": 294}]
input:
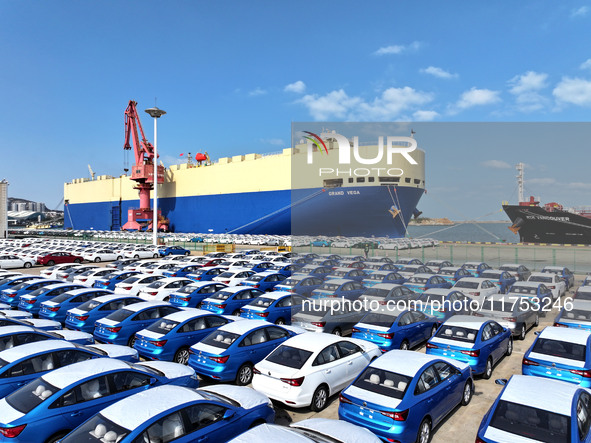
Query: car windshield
[
  {"x": 329, "y": 287},
  {"x": 220, "y": 339},
  {"x": 531, "y": 423},
  {"x": 222, "y": 295},
  {"x": 466, "y": 284},
  {"x": 156, "y": 284},
  {"x": 262, "y": 302},
  {"x": 256, "y": 278},
  {"x": 419, "y": 280},
  {"x": 562, "y": 349},
  {"x": 61, "y": 298},
  {"x": 187, "y": 289},
  {"x": 383, "y": 382},
  {"x": 583, "y": 295},
  {"x": 31, "y": 395},
  {"x": 40, "y": 291},
  {"x": 163, "y": 326},
  {"x": 523, "y": 290},
  {"x": 120, "y": 315},
  {"x": 130, "y": 280},
  {"x": 541, "y": 278},
  {"x": 89, "y": 305},
  {"x": 379, "y": 319},
  {"x": 289, "y": 356},
  {"x": 458, "y": 333},
  {"x": 94, "y": 430},
  {"x": 227, "y": 274}
]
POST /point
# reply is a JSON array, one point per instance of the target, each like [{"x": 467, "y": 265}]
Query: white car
[
  {"x": 234, "y": 277},
  {"x": 140, "y": 266},
  {"x": 159, "y": 267},
  {"x": 307, "y": 369},
  {"x": 12, "y": 261},
  {"x": 89, "y": 277},
  {"x": 161, "y": 289},
  {"x": 102, "y": 255},
  {"x": 132, "y": 285},
  {"x": 474, "y": 287},
  {"x": 52, "y": 271},
  {"x": 141, "y": 253},
  {"x": 552, "y": 281}
]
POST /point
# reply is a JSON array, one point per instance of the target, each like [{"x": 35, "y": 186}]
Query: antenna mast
[{"x": 520, "y": 167}]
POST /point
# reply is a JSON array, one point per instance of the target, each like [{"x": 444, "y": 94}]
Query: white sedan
[
  {"x": 132, "y": 285},
  {"x": 235, "y": 276},
  {"x": 12, "y": 261},
  {"x": 141, "y": 253},
  {"x": 52, "y": 271},
  {"x": 103, "y": 255},
  {"x": 552, "y": 281},
  {"x": 89, "y": 277},
  {"x": 161, "y": 289},
  {"x": 477, "y": 288},
  {"x": 307, "y": 369}
]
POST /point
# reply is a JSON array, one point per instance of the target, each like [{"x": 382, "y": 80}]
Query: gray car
[
  {"x": 511, "y": 311},
  {"x": 384, "y": 292},
  {"x": 333, "y": 316}
]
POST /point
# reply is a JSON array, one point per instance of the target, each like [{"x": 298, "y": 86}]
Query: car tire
[
  {"x": 136, "y": 256},
  {"x": 424, "y": 435},
  {"x": 467, "y": 392},
  {"x": 131, "y": 341},
  {"x": 404, "y": 345},
  {"x": 50, "y": 263},
  {"x": 154, "y": 256},
  {"x": 119, "y": 257},
  {"x": 537, "y": 322},
  {"x": 522, "y": 332},
  {"x": 27, "y": 264},
  {"x": 57, "y": 437},
  {"x": 77, "y": 260},
  {"x": 170, "y": 253},
  {"x": 244, "y": 374},
  {"x": 434, "y": 330},
  {"x": 236, "y": 313},
  {"x": 319, "y": 399},
  {"x": 280, "y": 321},
  {"x": 488, "y": 370},
  {"x": 187, "y": 253},
  {"x": 182, "y": 356},
  {"x": 380, "y": 247},
  {"x": 337, "y": 332},
  {"x": 97, "y": 260},
  {"x": 509, "y": 350}
]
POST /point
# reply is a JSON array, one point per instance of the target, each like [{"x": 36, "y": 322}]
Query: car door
[
  {"x": 451, "y": 379},
  {"x": 84, "y": 400},
  {"x": 487, "y": 341},
  {"x": 409, "y": 328},
  {"x": 354, "y": 359},
  {"x": 422, "y": 324},
  {"x": 193, "y": 330},
  {"x": 431, "y": 394},
  {"x": 328, "y": 362},
  {"x": 500, "y": 343}
]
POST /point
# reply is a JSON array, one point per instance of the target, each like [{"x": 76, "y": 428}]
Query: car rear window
[
  {"x": 562, "y": 349},
  {"x": 523, "y": 290},
  {"x": 262, "y": 302},
  {"x": 227, "y": 274},
  {"x": 256, "y": 278},
  {"x": 383, "y": 382},
  {"x": 289, "y": 356},
  {"x": 120, "y": 315},
  {"x": 419, "y": 280},
  {"x": 89, "y": 305},
  {"x": 458, "y": 333},
  {"x": 163, "y": 326},
  {"x": 379, "y": 319},
  {"x": 130, "y": 280},
  {"x": 466, "y": 284},
  {"x": 531, "y": 423},
  {"x": 329, "y": 287},
  {"x": 541, "y": 278},
  {"x": 220, "y": 339},
  {"x": 31, "y": 395},
  {"x": 222, "y": 295},
  {"x": 156, "y": 284}
]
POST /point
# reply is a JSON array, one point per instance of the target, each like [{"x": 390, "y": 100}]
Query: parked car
[
  {"x": 479, "y": 342},
  {"x": 479, "y": 288},
  {"x": 437, "y": 265},
  {"x": 563, "y": 272},
  {"x": 265, "y": 281},
  {"x": 234, "y": 277},
  {"x": 110, "y": 280},
  {"x": 83, "y": 317},
  {"x": 453, "y": 274},
  {"x": 307, "y": 369},
  {"x": 11, "y": 282},
  {"x": 160, "y": 290},
  {"x": 502, "y": 279},
  {"x": 337, "y": 288},
  {"x": 192, "y": 295},
  {"x": 206, "y": 273},
  {"x": 475, "y": 267},
  {"x": 583, "y": 293},
  {"x": 57, "y": 258},
  {"x": 12, "y": 295},
  {"x": 100, "y": 255},
  {"x": 31, "y": 302},
  {"x": 276, "y": 307},
  {"x": 577, "y": 315},
  {"x": 12, "y": 261},
  {"x": 52, "y": 271},
  {"x": 230, "y": 300},
  {"x": 56, "y": 309},
  {"x": 404, "y": 395},
  {"x": 328, "y": 315},
  {"x": 518, "y": 314},
  {"x": 538, "y": 293},
  {"x": 17, "y": 335},
  {"x": 89, "y": 277},
  {"x": 552, "y": 282},
  {"x": 419, "y": 283},
  {"x": 377, "y": 277},
  {"x": 132, "y": 285},
  {"x": 520, "y": 272},
  {"x": 408, "y": 270},
  {"x": 173, "y": 250}
]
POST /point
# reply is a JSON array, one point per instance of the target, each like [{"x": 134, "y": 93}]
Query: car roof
[
  {"x": 234, "y": 289},
  {"x": 541, "y": 393},
  {"x": 7, "y": 330},
  {"x": 555, "y": 268},
  {"x": 136, "y": 409},
  {"x": 466, "y": 321},
  {"x": 473, "y": 279},
  {"x": 528, "y": 284},
  {"x": 388, "y": 286},
  {"x": 28, "y": 349},
  {"x": 62, "y": 377},
  {"x": 108, "y": 298},
  {"x": 242, "y": 327},
  {"x": 407, "y": 362},
  {"x": 186, "y": 314},
  {"x": 135, "y": 307},
  {"x": 573, "y": 335},
  {"x": 540, "y": 274},
  {"x": 439, "y": 291},
  {"x": 85, "y": 290},
  {"x": 423, "y": 275},
  {"x": 339, "y": 281},
  {"x": 583, "y": 305},
  {"x": 313, "y": 341},
  {"x": 276, "y": 295}
]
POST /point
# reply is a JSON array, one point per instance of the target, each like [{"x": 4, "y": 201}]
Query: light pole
[{"x": 155, "y": 113}]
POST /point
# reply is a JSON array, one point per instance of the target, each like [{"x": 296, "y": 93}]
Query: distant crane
[
  {"x": 92, "y": 174},
  {"x": 142, "y": 173}
]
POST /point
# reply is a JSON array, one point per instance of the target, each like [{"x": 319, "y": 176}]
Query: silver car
[
  {"x": 334, "y": 316},
  {"x": 511, "y": 311}
]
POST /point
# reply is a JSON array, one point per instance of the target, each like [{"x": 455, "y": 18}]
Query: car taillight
[
  {"x": 479, "y": 440},
  {"x": 82, "y": 317},
  {"x": 354, "y": 330},
  {"x": 560, "y": 325},
  {"x": 293, "y": 381},
  {"x": 389, "y": 336},
  {"x": 474, "y": 293},
  {"x": 55, "y": 309},
  {"x": 262, "y": 314},
  {"x": 220, "y": 359},
  {"x": 398, "y": 416},
  {"x": 476, "y": 314},
  {"x": 257, "y": 286},
  {"x": 184, "y": 298},
  {"x": 585, "y": 374},
  {"x": 12, "y": 432},
  {"x": 152, "y": 293},
  {"x": 320, "y": 324},
  {"x": 30, "y": 301},
  {"x": 511, "y": 319},
  {"x": 117, "y": 329},
  {"x": 551, "y": 287},
  {"x": 432, "y": 346},
  {"x": 528, "y": 362},
  {"x": 158, "y": 343},
  {"x": 344, "y": 399},
  {"x": 472, "y": 353},
  {"x": 126, "y": 288},
  {"x": 83, "y": 279}
]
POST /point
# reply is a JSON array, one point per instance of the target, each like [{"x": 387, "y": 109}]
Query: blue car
[
  {"x": 49, "y": 407},
  {"x": 230, "y": 300},
  {"x": 10, "y": 282},
  {"x": 475, "y": 267},
  {"x": 84, "y": 316},
  {"x": 437, "y": 265},
  {"x": 563, "y": 272},
  {"x": 119, "y": 328},
  {"x": 170, "y": 338},
  {"x": 403, "y": 395},
  {"x": 286, "y": 270},
  {"x": 408, "y": 261},
  {"x": 532, "y": 409},
  {"x": 192, "y": 295},
  {"x": 453, "y": 273},
  {"x": 338, "y": 288},
  {"x": 300, "y": 284},
  {"x": 57, "y": 308},
  {"x": 262, "y": 266},
  {"x": 31, "y": 302},
  {"x": 110, "y": 280},
  {"x": 372, "y": 267},
  {"x": 206, "y": 273},
  {"x": 181, "y": 270},
  {"x": 265, "y": 281},
  {"x": 520, "y": 272},
  {"x": 561, "y": 354},
  {"x": 577, "y": 317},
  {"x": 502, "y": 279},
  {"x": 214, "y": 414},
  {"x": 17, "y": 335},
  {"x": 479, "y": 342},
  {"x": 377, "y": 277},
  {"x": 316, "y": 271},
  {"x": 420, "y": 283},
  {"x": 11, "y": 296},
  {"x": 276, "y": 307},
  {"x": 230, "y": 353},
  {"x": 347, "y": 273},
  {"x": 395, "y": 328},
  {"x": 444, "y": 303},
  {"x": 173, "y": 250}
]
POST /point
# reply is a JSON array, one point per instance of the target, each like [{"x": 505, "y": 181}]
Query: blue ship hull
[{"x": 346, "y": 211}]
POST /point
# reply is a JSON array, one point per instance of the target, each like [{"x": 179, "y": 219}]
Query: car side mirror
[
  {"x": 537, "y": 332},
  {"x": 501, "y": 381},
  {"x": 228, "y": 414},
  {"x": 153, "y": 380}
]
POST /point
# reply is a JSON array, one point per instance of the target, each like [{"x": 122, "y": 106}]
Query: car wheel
[
  {"x": 131, "y": 341},
  {"x": 424, "y": 431},
  {"x": 236, "y": 313},
  {"x": 28, "y": 264},
  {"x": 57, "y": 437},
  {"x": 154, "y": 256},
  {"x": 97, "y": 260},
  {"x": 509, "y": 347},
  {"x": 380, "y": 247},
  {"x": 434, "y": 330},
  {"x": 280, "y": 321},
  {"x": 119, "y": 257},
  {"x": 468, "y": 391},
  {"x": 488, "y": 370},
  {"x": 337, "y": 332},
  {"x": 404, "y": 345},
  {"x": 522, "y": 332},
  {"x": 319, "y": 399},
  {"x": 187, "y": 253},
  {"x": 244, "y": 375},
  {"x": 537, "y": 322},
  {"x": 77, "y": 260},
  {"x": 136, "y": 256},
  {"x": 50, "y": 263},
  {"x": 182, "y": 356},
  {"x": 170, "y": 253}
]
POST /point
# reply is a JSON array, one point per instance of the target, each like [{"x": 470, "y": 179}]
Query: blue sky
[{"x": 233, "y": 75}]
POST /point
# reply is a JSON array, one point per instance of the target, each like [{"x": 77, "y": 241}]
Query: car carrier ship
[{"x": 261, "y": 194}]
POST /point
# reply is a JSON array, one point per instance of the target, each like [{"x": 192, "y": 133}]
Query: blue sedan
[
  {"x": 110, "y": 280},
  {"x": 502, "y": 279},
  {"x": 578, "y": 316},
  {"x": 453, "y": 274},
  {"x": 561, "y": 354},
  {"x": 181, "y": 270},
  {"x": 170, "y": 338},
  {"x": 10, "y": 282},
  {"x": 421, "y": 282},
  {"x": 276, "y": 307},
  {"x": 265, "y": 281},
  {"x": 300, "y": 284},
  {"x": 230, "y": 353},
  {"x": 337, "y": 288},
  {"x": 12, "y": 295},
  {"x": 57, "y": 308},
  {"x": 479, "y": 342},
  {"x": 395, "y": 329},
  {"x": 119, "y": 328},
  {"x": 167, "y": 413},
  {"x": 17, "y": 335},
  {"x": 377, "y": 277},
  {"x": 207, "y": 273},
  {"x": 230, "y": 300},
  {"x": 286, "y": 270},
  {"x": 84, "y": 316},
  {"x": 48, "y": 407},
  {"x": 173, "y": 250},
  {"x": 192, "y": 295},
  {"x": 32, "y": 302},
  {"x": 475, "y": 268},
  {"x": 403, "y": 395}
]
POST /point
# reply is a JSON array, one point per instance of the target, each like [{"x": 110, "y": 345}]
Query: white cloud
[
  {"x": 497, "y": 164},
  {"x": 576, "y": 91},
  {"x": 273, "y": 141},
  {"x": 541, "y": 181},
  {"x": 398, "y": 49},
  {"x": 475, "y": 97},
  {"x": 298, "y": 87},
  {"x": 586, "y": 64},
  {"x": 335, "y": 104},
  {"x": 526, "y": 87},
  {"x": 256, "y": 92},
  {"x": 579, "y": 185},
  {"x": 425, "y": 116},
  {"x": 438, "y": 72},
  {"x": 580, "y": 12}
]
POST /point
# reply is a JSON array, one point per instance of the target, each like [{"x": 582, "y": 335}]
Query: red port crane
[{"x": 142, "y": 172}]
